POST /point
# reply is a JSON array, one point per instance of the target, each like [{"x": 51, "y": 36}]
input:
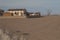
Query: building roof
[{"x": 15, "y": 9}]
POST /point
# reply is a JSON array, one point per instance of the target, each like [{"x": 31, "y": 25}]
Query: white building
[{"x": 17, "y": 12}]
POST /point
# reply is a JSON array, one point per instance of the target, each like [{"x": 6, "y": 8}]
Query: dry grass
[{"x": 45, "y": 28}]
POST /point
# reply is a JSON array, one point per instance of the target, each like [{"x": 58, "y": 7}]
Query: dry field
[{"x": 44, "y": 28}]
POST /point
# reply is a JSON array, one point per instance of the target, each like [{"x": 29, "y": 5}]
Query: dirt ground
[{"x": 44, "y": 28}]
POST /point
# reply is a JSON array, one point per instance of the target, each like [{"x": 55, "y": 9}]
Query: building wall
[{"x": 7, "y": 14}]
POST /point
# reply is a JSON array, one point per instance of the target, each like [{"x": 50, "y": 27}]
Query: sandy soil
[{"x": 45, "y": 28}]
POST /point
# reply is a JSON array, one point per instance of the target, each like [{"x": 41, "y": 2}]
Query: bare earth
[{"x": 44, "y": 28}]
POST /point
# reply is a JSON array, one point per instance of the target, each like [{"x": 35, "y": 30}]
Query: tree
[{"x": 49, "y": 12}]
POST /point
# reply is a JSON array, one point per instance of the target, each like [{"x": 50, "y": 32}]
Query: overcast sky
[{"x": 32, "y": 5}]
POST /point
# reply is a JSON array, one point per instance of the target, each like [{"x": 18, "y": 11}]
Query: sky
[{"x": 33, "y": 5}]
